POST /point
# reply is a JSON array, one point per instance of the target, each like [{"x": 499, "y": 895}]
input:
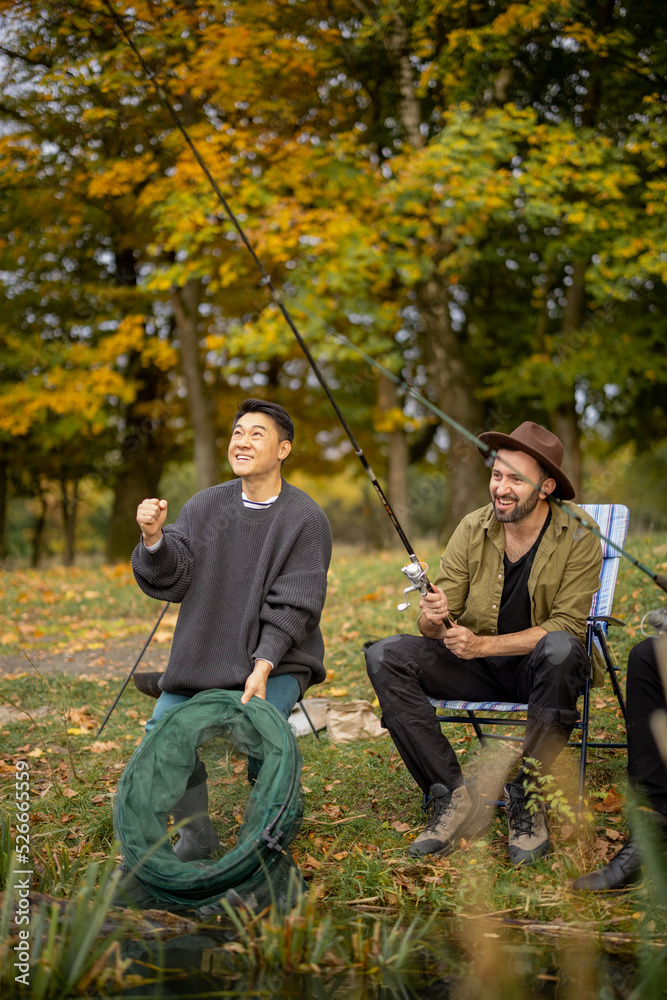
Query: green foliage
[
  {"x": 476, "y": 195},
  {"x": 292, "y": 939},
  {"x": 62, "y": 872},
  {"x": 69, "y": 952},
  {"x": 304, "y": 938},
  {"x": 5, "y": 847},
  {"x": 544, "y": 788}
]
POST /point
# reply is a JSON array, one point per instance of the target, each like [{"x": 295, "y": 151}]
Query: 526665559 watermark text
[{"x": 22, "y": 874}]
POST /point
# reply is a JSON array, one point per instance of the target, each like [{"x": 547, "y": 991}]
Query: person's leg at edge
[
  {"x": 645, "y": 695},
  {"x": 164, "y": 704},
  {"x": 402, "y": 670},
  {"x": 646, "y": 773},
  {"x": 283, "y": 693},
  {"x": 197, "y": 838},
  {"x": 550, "y": 680}
]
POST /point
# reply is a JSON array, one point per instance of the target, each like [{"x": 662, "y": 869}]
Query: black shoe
[
  {"x": 527, "y": 825},
  {"x": 130, "y": 892},
  {"x": 147, "y": 683},
  {"x": 623, "y": 869},
  {"x": 457, "y": 814}
]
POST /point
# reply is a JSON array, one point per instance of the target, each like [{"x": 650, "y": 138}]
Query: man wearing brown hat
[{"x": 517, "y": 578}]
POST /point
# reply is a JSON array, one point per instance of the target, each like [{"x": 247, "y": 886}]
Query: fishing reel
[
  {"x": 416, "y": 574},
  {"x": 656, "y": 620}
]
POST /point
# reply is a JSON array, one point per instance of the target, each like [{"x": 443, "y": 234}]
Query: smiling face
[
  {"x": 513, "y": 498},
  {"x": 255, "y": 449}
]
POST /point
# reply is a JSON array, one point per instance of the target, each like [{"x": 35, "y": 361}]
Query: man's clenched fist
[{"x": 151, "y": 515}]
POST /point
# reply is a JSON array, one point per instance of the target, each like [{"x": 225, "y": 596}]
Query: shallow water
[{"x": 463, "y": 961}]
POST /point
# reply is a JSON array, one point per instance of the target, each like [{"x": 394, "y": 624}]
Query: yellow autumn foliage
[
  {"x": 387, "y": 421},
  {"x": 129, "y": 336},
  {"x": 121, "y": 177}
]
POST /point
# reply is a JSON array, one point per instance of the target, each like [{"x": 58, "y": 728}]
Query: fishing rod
[
  {"x": 136, "y": 664},
  {"x": 415, "y": 570},
  {"x": 657, "y": 578}
]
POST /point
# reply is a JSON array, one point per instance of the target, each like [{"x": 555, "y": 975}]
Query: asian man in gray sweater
[{"x": 247, "y": 561}]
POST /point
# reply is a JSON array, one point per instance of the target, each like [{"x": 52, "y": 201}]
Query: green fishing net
[{"x": 255, "y": 861}]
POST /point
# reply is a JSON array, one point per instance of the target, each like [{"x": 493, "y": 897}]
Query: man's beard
[{"x": 519, "y": 511}]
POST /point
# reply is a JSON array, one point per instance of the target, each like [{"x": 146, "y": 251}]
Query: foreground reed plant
[
  {"x": 303, "y": 938},
  {"x": 70, "y": 952}
]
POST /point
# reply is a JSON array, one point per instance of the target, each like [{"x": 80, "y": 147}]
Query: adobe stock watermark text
[{"x": 23, "y": 873}]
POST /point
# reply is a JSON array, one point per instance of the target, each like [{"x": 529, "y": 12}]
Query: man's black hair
[{"x": 278, "y": 414}]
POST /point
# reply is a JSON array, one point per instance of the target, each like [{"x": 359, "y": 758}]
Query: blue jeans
[{"x": 282, "y": 692}]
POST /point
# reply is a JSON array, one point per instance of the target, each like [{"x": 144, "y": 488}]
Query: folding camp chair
[{"x": 613, "y": 521}]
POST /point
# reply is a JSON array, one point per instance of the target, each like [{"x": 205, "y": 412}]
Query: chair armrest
[{"x": 607, "y": 619}]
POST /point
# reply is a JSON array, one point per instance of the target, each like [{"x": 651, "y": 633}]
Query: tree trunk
[
  {"x": 38, "y": 534},
  {"x": 448, "y": 371},
  {"x": 565, "y": 425},
  {"x": 397, "y": 459},
  {"x": 140, "y": 478},
  {"x": 69, "y": 505},
  {"x": 501, "y": 85},
  {"x": 564, "y": 419},
  {"x": 4, "y": 464},
  {"x": 185, "y": 303},
  {"x": 142, "y": 448},
  {"x": 467, "y": 477},
  {"x": 398, "y": 47},
  {"x": 143, "y": 455}
]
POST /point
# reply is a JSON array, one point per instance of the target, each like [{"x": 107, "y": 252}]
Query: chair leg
[
  {"x": 310, "y": 721},
  {"x": 476, "y": 726},
  {"x": 599, "y": 631},
  {"x": 584, "y": 741},
  {"x": 584, "y": 722}
]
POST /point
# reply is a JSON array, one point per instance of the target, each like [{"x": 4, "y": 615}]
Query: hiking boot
[
  {"x": 623, "y": 869},
  {"x": 457, "y": 814},
  {"x": 527, "y": 824}
]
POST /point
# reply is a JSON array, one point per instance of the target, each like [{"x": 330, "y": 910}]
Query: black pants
[
  {"x": 403, "y": 669},
  {"x": 645, "y": 694}
]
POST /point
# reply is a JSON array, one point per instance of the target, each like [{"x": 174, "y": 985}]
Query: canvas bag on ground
[{"x": 353, "y": 720}]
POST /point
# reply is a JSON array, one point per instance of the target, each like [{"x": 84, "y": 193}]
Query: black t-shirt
[{"x": 514, "y": 614}]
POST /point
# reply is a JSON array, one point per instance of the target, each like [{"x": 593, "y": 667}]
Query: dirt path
[{"x": 115, "y": 659}]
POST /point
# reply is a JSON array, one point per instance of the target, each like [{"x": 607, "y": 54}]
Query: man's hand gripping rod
[{"x": 416, "y": 573}]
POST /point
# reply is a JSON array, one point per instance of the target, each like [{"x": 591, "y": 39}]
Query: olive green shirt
[{"x": 564, "y": 576}]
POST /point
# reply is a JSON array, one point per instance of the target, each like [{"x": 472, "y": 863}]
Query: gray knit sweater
[{"x": 251, "y": 583}]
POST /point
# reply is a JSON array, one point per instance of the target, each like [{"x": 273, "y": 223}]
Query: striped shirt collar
[{"x": 257, "y": 504}]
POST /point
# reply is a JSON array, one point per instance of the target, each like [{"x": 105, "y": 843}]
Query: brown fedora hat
[{"x": 540, "y": 444}]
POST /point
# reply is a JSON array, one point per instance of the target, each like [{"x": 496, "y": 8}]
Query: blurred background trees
[{"x": 474, "y": 194}]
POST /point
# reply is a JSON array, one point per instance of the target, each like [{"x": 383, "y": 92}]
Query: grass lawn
[{"x": 361, "y": 806}]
